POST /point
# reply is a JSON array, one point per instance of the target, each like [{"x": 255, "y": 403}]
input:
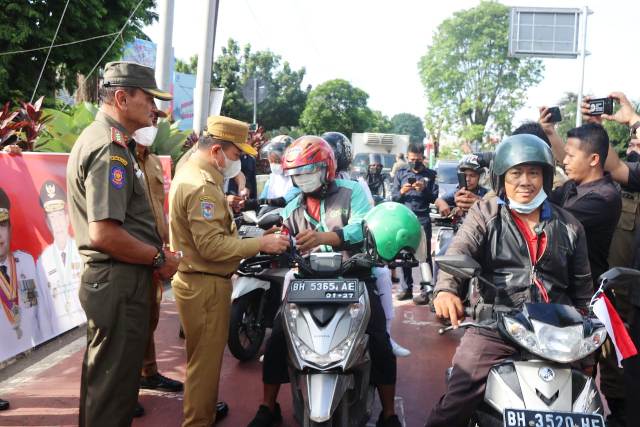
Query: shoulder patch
[
  {"x": 119, "y": 159},
  {"x": 119, "y": 138},
  {"x": 118, "y": 177},
  {"x": 206, "y": 206}
]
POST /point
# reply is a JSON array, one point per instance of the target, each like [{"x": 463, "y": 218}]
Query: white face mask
[
  {"x": 309, "y": 182},
  {"x": 231, "y": 167},
  {"x": 276, "y": 168},
  {"x": 527, "y": 208},
  {"x": 146, "y": 136}
]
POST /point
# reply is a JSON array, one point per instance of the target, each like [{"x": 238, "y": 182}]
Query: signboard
[
  {"x": 545, "y": 32},
  {"x": 140, "y": 51},
  {"x": 38, "y": 249},
  {"x": 183, "y": 86}
]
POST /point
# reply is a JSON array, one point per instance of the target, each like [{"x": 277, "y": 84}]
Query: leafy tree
[
  {"x": 380, "y": 123},
  {"x": 336, "y": 105},
  {"x": 469, "y": 79},
  {"x": 31, "y": 24},
  {"x": 408, "y": 124},
  {"x": 190, "y": 67}
]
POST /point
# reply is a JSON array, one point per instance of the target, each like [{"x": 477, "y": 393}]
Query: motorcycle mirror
[
  {"x": 460, "y": 266},
  {"x": 268, "y": 221},
  {"x": 619, "y": 277},
  {"x": 250, "y": 217}
]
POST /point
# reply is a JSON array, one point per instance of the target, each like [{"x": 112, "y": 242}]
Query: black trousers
[
  {"x": 383, "y": 361},
  {"x": 407, "y": 271}
]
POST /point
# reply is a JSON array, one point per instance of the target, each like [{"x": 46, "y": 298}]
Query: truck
[{"x": 385, "y": 144}]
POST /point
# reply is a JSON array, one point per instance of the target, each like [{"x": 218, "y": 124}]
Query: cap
[
  {"x": 5, "y": 205},
  {"x": 52, "y": 197},
  {"x": 230, "y": 130},
  {"x": 131, "y": 74}
]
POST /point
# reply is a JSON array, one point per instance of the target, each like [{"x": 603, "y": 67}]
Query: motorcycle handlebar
[{"x": 489, "y": 326}]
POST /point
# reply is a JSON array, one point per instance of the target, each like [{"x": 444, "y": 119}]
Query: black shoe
[
  {"x": 395, "y": 280},
  {"x": 392, "y": 421},
  {"x": 181, "y": 333},
  {"x": 160, "y": 382},
  {"x": 138, "y": 411},
  {"x": 4, "y": 405},
  {"x": 222, "y": 409},
  {"x": 422, "y": 298},
  {"x": 265, "y": 418},
  {"x": 404, "y": 295}
]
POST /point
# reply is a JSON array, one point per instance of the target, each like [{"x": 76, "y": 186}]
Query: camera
[
  {"x": 555, "y": 114},
  {"x": 600, "y": 106}
]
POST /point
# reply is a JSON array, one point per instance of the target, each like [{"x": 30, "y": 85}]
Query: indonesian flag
[{"x": 604, "y": 310}]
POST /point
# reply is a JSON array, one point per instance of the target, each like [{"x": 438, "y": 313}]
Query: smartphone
[
  {"x": 462, "y": 180},
  {"x": 600, "y": 106},
  {"x": 555, "y": 114},
  {"x": 411, "y": 180}
]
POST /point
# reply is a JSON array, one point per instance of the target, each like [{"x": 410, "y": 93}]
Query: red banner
[{"x": 39, "y": 262}]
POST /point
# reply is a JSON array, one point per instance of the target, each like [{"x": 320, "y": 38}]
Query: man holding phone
[
  {"x": 468, "y": 191},
  {"x": 416, "y": 188}
]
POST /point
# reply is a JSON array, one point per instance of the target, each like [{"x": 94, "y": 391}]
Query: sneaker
[
  {"x": 392, "y": 421},
  {"x": 422, "y": 298},
  {"x": 265, "y": 418},
  {"x": 138, "y": 411},
  {"x": 399, "y": 350},
  {"x": 395, "y": 280},
  {"x": 222, "y": 409},
  {"x": 160, "y": 382},
  {"x": 404, "y": 295}
]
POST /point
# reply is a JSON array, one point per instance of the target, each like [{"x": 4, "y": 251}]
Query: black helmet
[
  {"x": 341, "y": 149},
  {"x": 276, "y": 145},
  {"x": 517, "y": 150},
  {"x": 470, "y": 163}
]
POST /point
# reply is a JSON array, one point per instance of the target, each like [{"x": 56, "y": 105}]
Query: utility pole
[
  {"x": 585, "y": 15},
  {"x": 205, "y": 62},
  {"x": 163, "y": 58}
]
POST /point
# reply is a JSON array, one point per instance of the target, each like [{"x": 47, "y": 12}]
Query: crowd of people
[{"x": 559, "y": 213}]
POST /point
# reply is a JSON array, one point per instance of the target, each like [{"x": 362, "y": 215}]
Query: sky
[{"x": 376, "y": 45}]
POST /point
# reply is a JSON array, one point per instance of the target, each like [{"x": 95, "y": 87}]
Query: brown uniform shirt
[
  {"x": 154, "y": 179},
  {"x": 201, "y": 224},
  {"x": 104, "y": 182}
]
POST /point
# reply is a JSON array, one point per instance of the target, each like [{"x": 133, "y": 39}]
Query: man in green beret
[{"x": 118, "y": 240}]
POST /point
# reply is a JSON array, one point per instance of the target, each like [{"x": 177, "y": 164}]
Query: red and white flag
[{"x": 604, "y": 310}]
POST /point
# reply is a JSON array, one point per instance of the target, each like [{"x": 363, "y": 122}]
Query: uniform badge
[
  {"x": 118, "y": 176},
  {"x": 207, "y": 209},
  {"x": 119, "y": 138}
]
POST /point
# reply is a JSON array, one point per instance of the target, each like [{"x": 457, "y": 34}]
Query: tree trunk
[{"x": 87, "y": 89}]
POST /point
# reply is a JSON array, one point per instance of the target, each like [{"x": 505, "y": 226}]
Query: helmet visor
[{"x": 306, "y": 169}]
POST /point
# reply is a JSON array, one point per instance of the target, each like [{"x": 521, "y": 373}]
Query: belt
[{"x": 221, "y": 276}]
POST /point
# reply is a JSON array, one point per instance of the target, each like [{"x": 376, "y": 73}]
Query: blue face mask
[{"x": 527, "y": 208}]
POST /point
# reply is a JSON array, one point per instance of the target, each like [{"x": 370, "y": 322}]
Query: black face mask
[
  {"x": 416, "y": 166},
  {"x": 633, "y": 157}
]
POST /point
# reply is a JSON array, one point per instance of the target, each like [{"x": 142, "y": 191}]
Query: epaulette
[{"x": 118, "y": 137}]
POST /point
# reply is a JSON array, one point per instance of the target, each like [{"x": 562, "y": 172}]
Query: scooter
[
  {"x": 256, "y": 289},
  {"x": 538, "y": 387},
  {"x": 326, "y": 312}
]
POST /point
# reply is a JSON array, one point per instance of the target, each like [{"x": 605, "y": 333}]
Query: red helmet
[{"x": 309, "y": 154}]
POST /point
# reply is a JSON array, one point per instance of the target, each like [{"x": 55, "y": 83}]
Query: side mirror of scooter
[
  {"x": 460, "y": 266},
  {"x": 619, "y": 277}
]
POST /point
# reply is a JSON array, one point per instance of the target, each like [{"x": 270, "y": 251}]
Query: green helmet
[
  {"x": 520, "y": 149},
  {"x": 391, "y": 227}
]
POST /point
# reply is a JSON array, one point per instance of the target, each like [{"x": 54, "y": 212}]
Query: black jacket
[{"x": 490, "y": 235}]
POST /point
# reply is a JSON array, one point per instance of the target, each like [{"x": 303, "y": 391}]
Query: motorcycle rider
[
  {"x": 530, "y": 249},
  {"x": 375, "y": 180},
  {"x": 464, "y": 198},
  {"x": 326, "y": 216},
  {"x": 278, "y": 190}
]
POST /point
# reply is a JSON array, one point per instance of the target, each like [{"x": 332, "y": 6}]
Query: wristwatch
[
  {"x": 159, "y": 259},
  {"x": 634, "y": 129}
]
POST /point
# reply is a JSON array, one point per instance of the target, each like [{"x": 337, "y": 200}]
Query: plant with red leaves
[
  {"x": 31, "y": 123},
  {"x": 7, "y": 125}
]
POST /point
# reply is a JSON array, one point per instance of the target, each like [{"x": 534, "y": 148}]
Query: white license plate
[{"x": 527, "y": 418}]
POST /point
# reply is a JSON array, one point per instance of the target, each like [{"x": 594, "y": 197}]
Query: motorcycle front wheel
[{"x": 246, "y": 331}]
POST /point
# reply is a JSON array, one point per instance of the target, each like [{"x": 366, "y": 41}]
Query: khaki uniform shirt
[
  {"x": 201, "y": 224},
  {"x": 104, "y": 182},
  {"x": 154, "y": 177}
]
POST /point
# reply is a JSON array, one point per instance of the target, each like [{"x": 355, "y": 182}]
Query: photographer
[{"x": 464, "y": 196}]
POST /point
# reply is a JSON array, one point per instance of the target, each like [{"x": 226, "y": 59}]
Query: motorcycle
[
  {"x": 256, "y": 288},
  {"x": 538, "y": 387},
  {"x": 325, "y": 313}
]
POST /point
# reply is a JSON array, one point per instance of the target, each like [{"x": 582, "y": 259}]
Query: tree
[
  {"x": 408, "y": 124},
  {"x": 380, "y": 123},
  {"x": 32, "y": 24},
  {"x": 190, "y": 67},
  {"x": 336, "y": 105},
  {"x": 469, "y": 78}
]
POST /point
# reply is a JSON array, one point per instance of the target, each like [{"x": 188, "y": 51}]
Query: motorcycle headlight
[
  {"x": 356, "y": 311},
  {"x": 561, "y": 345}
]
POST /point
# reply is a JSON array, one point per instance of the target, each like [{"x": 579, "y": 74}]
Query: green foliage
[
  {"x": 64, "y": 127},
  {"x": 408, "y": 124},
  {"x": 32, "y": 24},
  {"x": 450, "y": 151},
  {"x": 337, "y": 106},
  {"x": 380, "y": 123},
  {"x": 469, "y": 77},
  {"x": 187, "y": 67},
  {"x": 170, "y": 140}
]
